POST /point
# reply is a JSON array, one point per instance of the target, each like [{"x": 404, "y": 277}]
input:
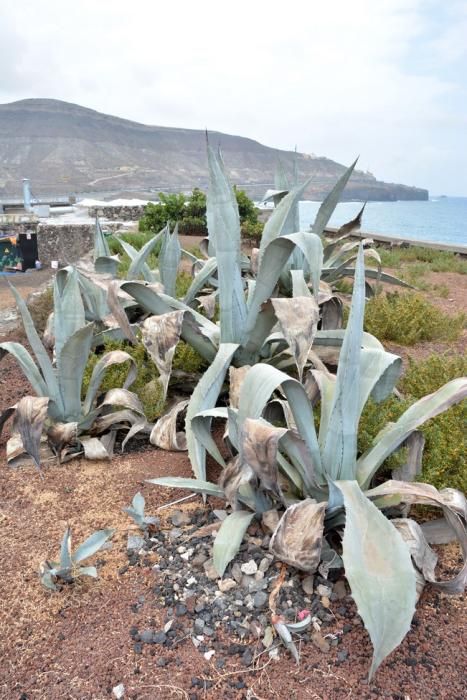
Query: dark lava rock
[
  {"x": 180, "y": 610},
  {"x": 247, "y": 657},
  {"x": 146, "y": 636},
  {"x": 161, "y": 662},
  {"x": 342, "y": 655},
  {"x": 137, "y": 647},
  {"x": 159, "y": 637}
]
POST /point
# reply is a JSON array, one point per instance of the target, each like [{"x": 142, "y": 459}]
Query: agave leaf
[
  {"x": 160, "y": 335},
  {"x": 201, "y": 427},
  {"x": 59, "y": 435},
  {"x": 122, "y": 397},
  {"x": 68, "y": 309},
  {"x": 224, "y": 230},
  {"x": 208, "y": 303},
  {"x": 196, "y": 329},
  {"x": 132, "y": 253},
  {"x": 428, "y": 407},
  {"x": 65, "y": 551},
  {"x": 274, "y": 258},
  {"x": 438, "y": 531},
  {"x": 107, "y": 265},
  {"x": 236, "y": 377},
  {"x": 332, "y": 313},
  {"x": 298, "y": 320},
  {"x": 454, "y": 509},
  {"x": 39, "y": 351},
  {"x": 380, "y": 572},
  {"x": 138, "y": 262},
  {"x": 94, "y": 298},
  {"x": 298, "y": 537},
  {"x": 260, "y": 382},
  {"x": 73, "y": 360},
  {"x": 201, "y": 278},
  {"x": 229, "y": 538},
  {"x": 284, "y": 633},
  {"x": 299, "y": 285},
  {"x": 258, "y": 449},
  {"x": 423, "y": 557},
  {"x": 93, "y": 448},
  {"x": 204, "y": 397},
  {"x": 91, "y": 545},
  {"x": 110, "y": 358},
  {"x": 340, "y": 444},
  {"x": 169, "y": 260},
  {"x": 329, "y": 204},
  {"x": 195, "y": 485},
  {"x": 283, "y": 219},
  {"x": 412, "y": 466},
  {"x": 164, "y": 434},
  {"x": 28, "y": 367},
  {"x": 374, "y": 274},
  {"x": 352, "y": 225},
  {"x": 118, "y": 312},
  {"x": 101, "y": 247},
  {"x": 233, "y": 477},
  {"x": 31, "y": 412}
]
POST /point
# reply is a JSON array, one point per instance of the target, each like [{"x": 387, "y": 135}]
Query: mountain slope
[{"x": 65, "y": 148}]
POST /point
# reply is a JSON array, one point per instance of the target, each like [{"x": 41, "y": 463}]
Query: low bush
[
  {"x": 408, "y": 318},
  {"x": 146, "y": 386}
]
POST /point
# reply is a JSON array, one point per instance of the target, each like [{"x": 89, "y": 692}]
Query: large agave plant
[
  {"x": 59, "y": 381},
  {"x": 322, "y": 483}
]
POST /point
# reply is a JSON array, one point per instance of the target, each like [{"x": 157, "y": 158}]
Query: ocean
[{"x": 440, "y": 219}]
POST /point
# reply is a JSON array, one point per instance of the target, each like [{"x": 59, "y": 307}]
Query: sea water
[{"x": 439, "y": 219}]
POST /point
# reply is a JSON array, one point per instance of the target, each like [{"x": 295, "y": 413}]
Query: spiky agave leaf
[
  {"x": 259, "y": 442},
  {"x": 224, "y": 229},
  {"x": 329, "y": 204},
  {"x": 298, "y": 319},
  {"x": 379, "y": 569},
  {"x": 169, "y": 260},
  {"x": 229, "y": 538},
  {"x": 160, "y": 335},
  {"x": 31, "y": 412}
]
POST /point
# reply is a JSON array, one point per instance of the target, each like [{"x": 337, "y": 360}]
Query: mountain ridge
[{"x": 66, "y": 148}]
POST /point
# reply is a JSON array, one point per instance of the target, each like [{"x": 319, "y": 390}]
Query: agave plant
[
  {"x": 136, "y": 511},
  {"x": 69, "y": 568},
  {"x": 322, "y": 483},
  {"x": 60, "y": 380}
]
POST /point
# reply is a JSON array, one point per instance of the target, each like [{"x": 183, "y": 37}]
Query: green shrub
[
  {"x": 188, "y": 360},
  {"x": 408, "y": 318},
  {"x": 445, "y": 454},
  {"x": 182, "y": 284},
  {"x": 151, "y": 396}
]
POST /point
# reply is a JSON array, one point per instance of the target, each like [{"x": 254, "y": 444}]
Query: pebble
[
  {"x": 236, "y": 572},
  {"x": 250, "y": 567},
  {"x": 159, "y": 638},
  {"x": 118, "y": 691},
  {"x": 198, "y": 560},
  {"x": 323, "y": 591},
  {"x": 161, "y": 662},
  {"x": 247, "y": 658},
  {"x": 137, "y": 647},
  {"x": 339, "y": 589},
  {"x": 180, "y": 610},
  {"x": 308, "y": 584},
  {"x": 210, "y": 570},
  {"x": 227, "y": 584},
  {"x": 135, "y": 542},
  {"x": 260, "y": 599},
  {"x": 187, "y": 555},
  {"x": 175, "y": 533},
  {"x": 264, "y": 564},
  {"x": 146, "y": 636},
  {"x": 198, "y": 626},
  {"x": 342, "y": 655}
]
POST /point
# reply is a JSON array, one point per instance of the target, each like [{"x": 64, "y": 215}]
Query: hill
[{"x": 65, "y": 148}]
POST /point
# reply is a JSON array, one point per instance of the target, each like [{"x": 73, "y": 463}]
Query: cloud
[{"x": 377, "y": 78}]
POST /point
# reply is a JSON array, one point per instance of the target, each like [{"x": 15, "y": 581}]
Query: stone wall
[
  {"x": 124, "y": 213},
  {"x": 65, "y": 243}
]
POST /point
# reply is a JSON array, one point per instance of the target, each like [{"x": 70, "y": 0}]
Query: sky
[{"x": 382, "y": 79}]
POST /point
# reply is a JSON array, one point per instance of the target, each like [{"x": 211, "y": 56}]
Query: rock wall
[
  {"x": 124, "y": 213},
  {"x": 65, "y": 243}
]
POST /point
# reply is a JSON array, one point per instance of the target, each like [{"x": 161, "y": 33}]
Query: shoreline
[{"x": 394, "y": 240}]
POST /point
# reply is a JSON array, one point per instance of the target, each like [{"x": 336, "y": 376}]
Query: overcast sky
[{"x": 386, "y": 79}]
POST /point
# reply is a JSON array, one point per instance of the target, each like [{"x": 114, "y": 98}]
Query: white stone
[
  {"x": 119, "y": 691},
  {"x": 250, "y": 567},
  {"x": 209, "y": 654}
]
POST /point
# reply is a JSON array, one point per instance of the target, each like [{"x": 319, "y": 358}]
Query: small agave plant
[
  {"x": 57, "y": 383},
  {"x": 323, "y": 486},
  {"x": 136, "y": 511},
  {"x": 69, "y": 568}
]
